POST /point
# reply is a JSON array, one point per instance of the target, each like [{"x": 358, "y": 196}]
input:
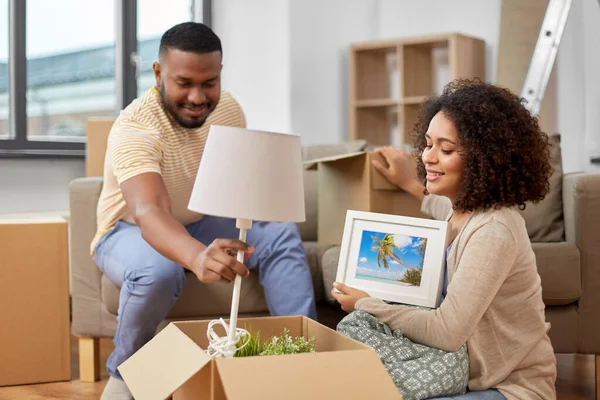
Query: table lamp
[{"x": 248, "y": 175}]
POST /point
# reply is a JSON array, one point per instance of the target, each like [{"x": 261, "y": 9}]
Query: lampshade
[{"x": 250, "y": 174}]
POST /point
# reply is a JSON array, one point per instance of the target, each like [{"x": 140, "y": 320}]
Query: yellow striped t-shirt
[{"x": 145, "y": 138}]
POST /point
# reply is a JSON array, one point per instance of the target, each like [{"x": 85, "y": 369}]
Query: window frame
[{"x": 126, "y": 43}]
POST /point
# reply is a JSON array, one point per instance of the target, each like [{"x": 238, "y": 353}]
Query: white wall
[
  {"x": 399, "y": 18},
  {"x": 591, "y": 62},
  {"x": 37, "y": 185},
  {"x": 255, "y": 36},
  {"x": 321, "y": 34},
  {"x": 571, "y": 90},
  {"x": 578, "y": 86}
]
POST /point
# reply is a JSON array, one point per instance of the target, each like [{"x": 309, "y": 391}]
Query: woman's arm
[{"x": 483, "y": 268}]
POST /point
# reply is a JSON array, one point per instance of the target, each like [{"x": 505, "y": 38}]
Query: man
[{"x": 146, "y": 236}]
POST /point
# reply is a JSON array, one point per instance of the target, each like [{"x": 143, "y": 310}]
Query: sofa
[{"x": 561, "y": 229}]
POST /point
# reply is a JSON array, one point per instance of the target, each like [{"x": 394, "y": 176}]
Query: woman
[{"x": 481, "y": 155}]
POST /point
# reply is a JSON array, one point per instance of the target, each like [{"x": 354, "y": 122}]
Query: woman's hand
[
  {"x": 347, "y": 296},
  {"x": 399, "y": 171}
]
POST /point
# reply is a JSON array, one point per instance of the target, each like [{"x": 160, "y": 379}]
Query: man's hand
[
  {"x": 218, "y": 262},
  {"x": 347, "y": 296}
]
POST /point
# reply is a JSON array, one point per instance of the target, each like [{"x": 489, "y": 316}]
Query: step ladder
[{"x": 544, "y": 55}]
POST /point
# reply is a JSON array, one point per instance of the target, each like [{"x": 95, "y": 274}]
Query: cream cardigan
[{"x": 494, "y": 304}]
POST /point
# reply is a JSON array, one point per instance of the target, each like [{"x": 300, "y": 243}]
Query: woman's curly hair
[{"x": 506, "y": 155}]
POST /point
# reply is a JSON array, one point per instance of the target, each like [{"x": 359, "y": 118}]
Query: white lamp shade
[{"x": 250, "y": 174}]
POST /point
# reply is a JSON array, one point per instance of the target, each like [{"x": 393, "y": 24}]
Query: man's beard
[{"x": 189, "y": 124}]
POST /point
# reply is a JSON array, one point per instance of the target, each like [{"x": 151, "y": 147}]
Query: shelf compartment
[
  {"x": 424, "y": 66},
  {"x": 375, "y": 74},
  {"x": 374, "y": 124}
]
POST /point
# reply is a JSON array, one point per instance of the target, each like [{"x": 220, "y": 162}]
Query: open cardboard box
[
  {"x": 175, "y": 362},
  {"x": 350, "y": 182}
]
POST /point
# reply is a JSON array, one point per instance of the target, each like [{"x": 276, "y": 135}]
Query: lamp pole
[{"x": 243, "y": 225}]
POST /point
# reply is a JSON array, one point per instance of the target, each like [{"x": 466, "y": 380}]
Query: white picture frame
[{"x": 419, "y": 244}]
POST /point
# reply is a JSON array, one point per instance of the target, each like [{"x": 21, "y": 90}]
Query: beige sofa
[{"x": 562, "y": 229}]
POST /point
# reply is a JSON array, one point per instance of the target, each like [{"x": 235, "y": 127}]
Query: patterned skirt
[{"x": 419, "y": 371}]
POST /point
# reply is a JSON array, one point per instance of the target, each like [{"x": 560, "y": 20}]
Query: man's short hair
[{"x": 190, "y": 36}]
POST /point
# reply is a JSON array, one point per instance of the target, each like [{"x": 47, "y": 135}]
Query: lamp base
[
  {"x": 219, "y": 347},
  {"x": 224, "y": 347}
]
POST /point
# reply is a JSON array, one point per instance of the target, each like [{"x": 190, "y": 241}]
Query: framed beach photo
[{"x": 394, "y": 258}]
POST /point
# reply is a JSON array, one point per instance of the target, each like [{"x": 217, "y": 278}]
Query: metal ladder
[{"x": 544, "y": 54}]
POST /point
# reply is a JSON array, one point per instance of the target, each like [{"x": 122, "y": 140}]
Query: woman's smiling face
[{"x": 442, "y": 158}]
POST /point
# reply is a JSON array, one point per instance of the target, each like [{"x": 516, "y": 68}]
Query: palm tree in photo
[
  {"x": 421, "y": 250},
  {"x": 385, "y": 249}
]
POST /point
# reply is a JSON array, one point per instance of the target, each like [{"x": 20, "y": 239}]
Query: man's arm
[{"x": 147, "y": 199}]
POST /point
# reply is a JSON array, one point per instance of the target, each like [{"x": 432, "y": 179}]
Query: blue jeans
[
  {"x": 151, "y": 284},
  {"x": 491, "y": 394}
]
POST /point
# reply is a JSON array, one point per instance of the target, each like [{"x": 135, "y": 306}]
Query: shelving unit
[{"x": 390, "y": 79}]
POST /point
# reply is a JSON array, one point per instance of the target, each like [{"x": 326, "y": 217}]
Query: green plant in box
[
  {"x": 249, "y": 346},
  {"x": 285, "y": 344},
  {"x": 277, "y": 345}
]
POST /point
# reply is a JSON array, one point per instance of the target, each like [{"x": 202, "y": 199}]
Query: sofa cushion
[
  {"x": 199, "y": 299},
  {"x": 544, "y": 220},
  {"x": 557, "y": 263},
  {"x": 329, "y": 264},
  {"x": 559, "y": 267}
]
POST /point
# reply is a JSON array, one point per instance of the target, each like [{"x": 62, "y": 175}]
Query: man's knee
[
  {"x": 157, "y": 278},
  {"x": 284, "y": 232}
]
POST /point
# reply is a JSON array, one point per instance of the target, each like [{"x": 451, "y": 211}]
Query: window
[
  {"x": 152, "y": 21},
  {"x": 64, "y": 61},
  {"x": 4, "y": 105},
  {"x": 70, "y": 67}
]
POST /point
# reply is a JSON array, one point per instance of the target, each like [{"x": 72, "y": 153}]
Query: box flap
[
  {"x": 162, "y": 365},
  {"x": 357, "y": 374},
  {"x": 328, "y": 339},
  {"x": 312, "y": 164}
]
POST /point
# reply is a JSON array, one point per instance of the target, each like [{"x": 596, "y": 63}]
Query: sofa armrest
[
  {"x": 581, "y": 202},
  {"x": 85, "y": 277}
]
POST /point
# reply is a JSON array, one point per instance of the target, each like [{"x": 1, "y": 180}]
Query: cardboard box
[
  {"x": 175, "y": 362},
  {"x": 95, "y": 150},
  {"x": 350, "y": 182},
  {"x": 34, "y": 293}
]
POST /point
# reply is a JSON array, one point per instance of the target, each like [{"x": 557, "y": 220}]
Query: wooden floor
[{"x": 575, "y": 380}]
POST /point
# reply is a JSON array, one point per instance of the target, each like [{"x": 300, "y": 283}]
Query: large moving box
[
  {"x": 175, "y": 362},
  {"x": 34, "y": 293},
  {"x": 350, "y": 182}
]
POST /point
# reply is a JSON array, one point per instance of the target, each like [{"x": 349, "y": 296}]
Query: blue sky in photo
[{"x": 367, "y": 258}]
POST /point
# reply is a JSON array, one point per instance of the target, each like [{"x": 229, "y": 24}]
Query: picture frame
[{"x": 394, "y": 258}]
